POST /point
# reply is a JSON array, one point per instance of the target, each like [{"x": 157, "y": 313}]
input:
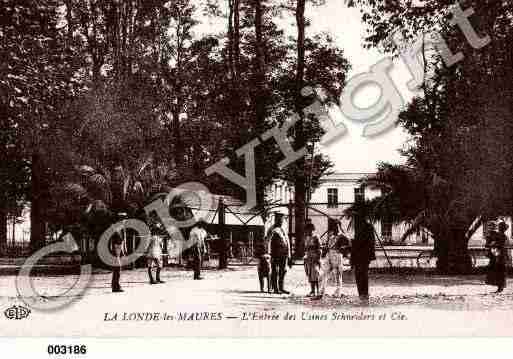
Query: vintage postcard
[{"x": 263, "y": 168}]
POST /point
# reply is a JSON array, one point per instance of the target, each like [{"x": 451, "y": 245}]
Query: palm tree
[
  {"x": 95, "y": 194},
  {"x": 423, "y": 199}
]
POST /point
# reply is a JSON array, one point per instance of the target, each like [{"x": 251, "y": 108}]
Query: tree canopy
[
  {"x": 108, "y": 103},
  {"x": 458, "y": 170}
]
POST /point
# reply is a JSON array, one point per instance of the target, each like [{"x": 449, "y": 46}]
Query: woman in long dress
[
  {"x": 312, "y": 258},
  {"x": 497, "y": 267}
]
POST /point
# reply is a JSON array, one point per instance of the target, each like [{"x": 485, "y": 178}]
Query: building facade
[{"x": 336, "y": 193}]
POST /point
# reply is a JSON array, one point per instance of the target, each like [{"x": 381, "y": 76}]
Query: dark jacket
[
  {"x": 496, "y": 274},
  {"x": 342, "y": 245},
  {"x": 362, "y": 247},
  {"x": 313, "y": 244},
  {"x": 279, "y": 246}
]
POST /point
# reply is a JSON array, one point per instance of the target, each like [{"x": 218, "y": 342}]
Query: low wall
[
  {"x": 64, "y": 259},
  {"x": 406, "y": 256}
]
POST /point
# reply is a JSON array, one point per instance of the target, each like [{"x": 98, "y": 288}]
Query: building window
[
  {"x": 359, "y": 194},
  {"x": 332, "y": 197}
]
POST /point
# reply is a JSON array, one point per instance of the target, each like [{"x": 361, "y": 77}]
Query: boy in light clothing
[{"x": 154, "y": 258}]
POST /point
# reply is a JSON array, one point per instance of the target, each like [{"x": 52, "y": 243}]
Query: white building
[
  {"x": 327, "y": 203},
  {"x": 337, "y": 192}
]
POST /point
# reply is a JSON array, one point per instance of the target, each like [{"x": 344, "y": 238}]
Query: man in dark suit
[
  {"x": 279, "y": 248},
  {"x": 362, "y": 253}
]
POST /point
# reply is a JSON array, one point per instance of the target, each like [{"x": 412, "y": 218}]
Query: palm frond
[
  {"x": 415, "y": 226},
  {"x": 98, "y": 180},
  {"x": 85, "y": 170},
  {"x": 75, "y": 190},
  {"x": 148, "y": 160}
]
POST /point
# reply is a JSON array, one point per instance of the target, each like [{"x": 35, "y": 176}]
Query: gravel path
[{"x": 426, "y": 302}]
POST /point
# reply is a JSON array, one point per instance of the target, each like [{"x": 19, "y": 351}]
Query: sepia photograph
[{"x": 255, "y": 168}]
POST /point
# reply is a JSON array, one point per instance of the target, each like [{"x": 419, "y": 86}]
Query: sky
[{"x": 352, "y": 152}]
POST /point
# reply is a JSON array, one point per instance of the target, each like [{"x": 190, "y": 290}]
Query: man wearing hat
[
  {"x": 279, "y": 248},
  {"x": 198, "y": 236},
  {"x": 154, "y": 258},
  {"x": 362, "y": 253}
]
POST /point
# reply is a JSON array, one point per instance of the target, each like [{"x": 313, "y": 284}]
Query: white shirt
[
  {"x": 155, "y": 247},
  {"x": 70, "y": 242},
  {"x": 198, "y": 235}
]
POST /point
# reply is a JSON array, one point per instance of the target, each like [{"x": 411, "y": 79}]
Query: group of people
[
  {"x": 323, "y": 259},
  {"x": 336, "y": 255},
  {"x": 154, "y": 255},
  {"x": 197, "y": 243}
]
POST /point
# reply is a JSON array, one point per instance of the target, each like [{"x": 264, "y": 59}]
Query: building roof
[
  {"x": 235, "y": 214},
  {"x": 345, "y": 177}
]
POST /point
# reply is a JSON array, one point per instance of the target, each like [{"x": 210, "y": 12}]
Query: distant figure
[
  {"x": 198, "y": 236},
  {"x": 264, "y": 271},
  {"x": 117, "y": 251},
  {"x": 312, "y": 258},
  {"x": 496, "y": 252},
  {"x": 362, "y": 253},
  {"x": 70, "y": 242},
  {"x": 264, "y": 263},
  {"x": 154, "y": 258},
  {"x": 279, "y": 248},
  {"x": 309, "y": 228}
]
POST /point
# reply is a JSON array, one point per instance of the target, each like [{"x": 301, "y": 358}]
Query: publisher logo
[{"x": 17, "y": 312}]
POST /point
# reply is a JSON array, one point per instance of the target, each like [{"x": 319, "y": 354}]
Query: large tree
[
  {"x": 459, "y": 129},
  {"x": 119, "y": 81},
  {"x": 35, "y": 72}
]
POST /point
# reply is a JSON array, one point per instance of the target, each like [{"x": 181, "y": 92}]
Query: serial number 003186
[{"x": 55, "y": 349}]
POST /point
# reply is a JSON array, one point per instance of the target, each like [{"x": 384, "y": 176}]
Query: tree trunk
[
  {"x": 458, "y": 256},
  {"x": 260, "y": 95},
  {"x": 69, "y": 20},
  {"x": 236, "y": 40},
  {"x": 230, "y": 41},
  {"x": 299, "y": 184},
  {"x": 442, "y": 254},
  {"x": 223, "y": 240},
  {"x": 3, "y": 231},
  {"x": 179, "y": 97},
  {"x": 452, "y": 253},
  {"x": 179, "y": 150},
  {"x": 299, "y": 213},
  {"x": 37, "y": 224}
]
